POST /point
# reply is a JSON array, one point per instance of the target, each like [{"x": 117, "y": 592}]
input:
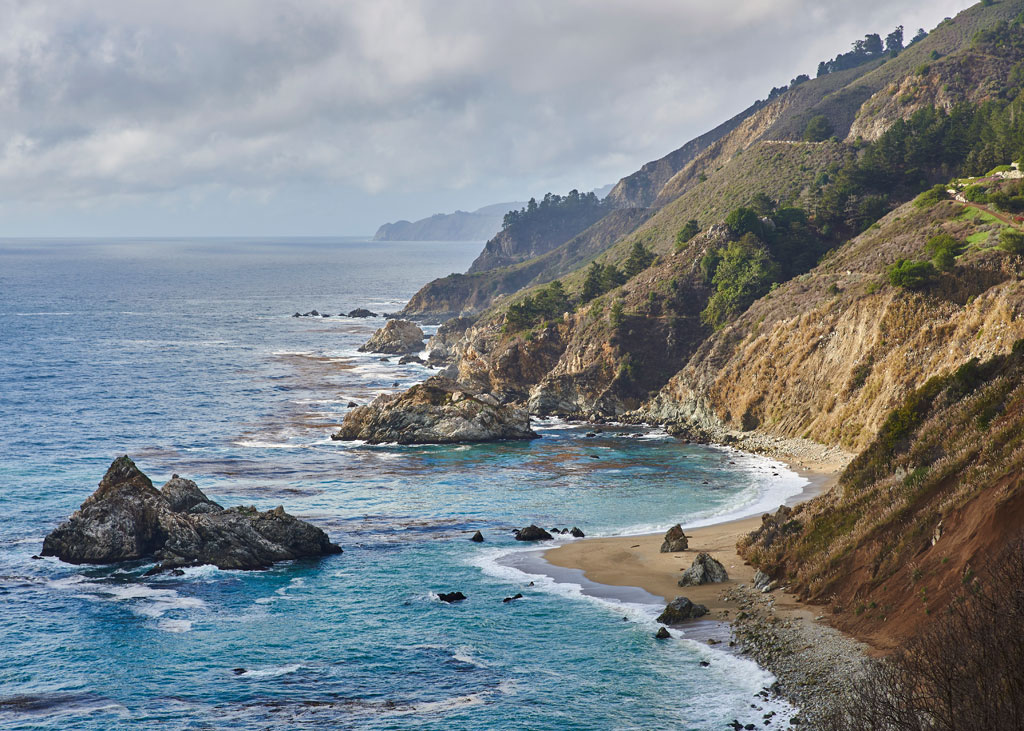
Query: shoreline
[{"x": 813, "y": 662}]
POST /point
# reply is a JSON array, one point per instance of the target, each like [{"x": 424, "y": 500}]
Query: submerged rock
[
  {"x": 680, "y": 610},
  {"x": 675, "y": 540},
  {"x": 361, "y": 312},
  {"x": 437, "y": 411},
  {"x": 129, "y": 519},
  {"x": 454, "y": 596},
  {"x": 508, "y": 599},
  {"x": 478, "y": 537},
  {"x": 662, "y": 634},
  {"x": 533, "y": 533},
  {"x": 397, "y": 337},
  {"x": 410, "y": 359},
  {"x": 705, "y": 570}
]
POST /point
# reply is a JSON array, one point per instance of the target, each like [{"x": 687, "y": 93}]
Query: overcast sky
[{"x": 256, "y": 117}]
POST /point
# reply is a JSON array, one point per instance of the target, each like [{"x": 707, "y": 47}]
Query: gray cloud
[{"x": 385, "y": 108}]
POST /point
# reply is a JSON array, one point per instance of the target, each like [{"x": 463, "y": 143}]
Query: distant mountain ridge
[{"x": 478, "y": 225}]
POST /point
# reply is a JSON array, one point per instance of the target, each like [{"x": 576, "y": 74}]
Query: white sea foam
[
  {"x": 273, "y": 672},
  {"x": 142, "y": 599},
  {"x": 174, "y": 626},
  {"x": 729, "y": 668}
]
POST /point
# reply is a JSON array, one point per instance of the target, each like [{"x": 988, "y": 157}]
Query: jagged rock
[
  {"x": 478, "y": 537},
  {"x": 352, "y": 404},
  {"x": 129, "y": 519},
  {"x": 410, "y": 359},
  {"x": 763, "y": 582},
  {"x": 397, "y": 337},
  {"x": 361, "y": 312},
  {"x": 577, "y": 533},
  {"x": 508, "y": 599},
  {"x": 533, "y": 533},
  {"x": 705, "y": 570},
  {"x": 297, "y": 315},
  {"x": 680, "y": 610},
  {"x": 675, "y": 540},
  {"x": 430, "y": 413},
  {"x": 662, "y": 634},
  {"x": 454, "y": 596}
]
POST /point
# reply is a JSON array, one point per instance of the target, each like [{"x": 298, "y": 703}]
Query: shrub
[
  {"x": 930, "y": 197},
  {"x": 818, "y": 129},
  {"x": 976, "y": 194},
  {"x": 1011, "y": 241},
  {"x": 911, "y": 274},
  {"x": 944, "y": 250},
  {"x": 687, "y": 232}
]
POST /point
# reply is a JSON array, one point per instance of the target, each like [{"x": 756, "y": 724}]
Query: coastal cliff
[{"x": 800, "y": 272}]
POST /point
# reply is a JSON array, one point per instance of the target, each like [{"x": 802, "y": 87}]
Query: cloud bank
[{"x": 321, "y": 117}]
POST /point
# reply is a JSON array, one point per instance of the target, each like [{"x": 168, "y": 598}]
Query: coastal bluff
[{"x": 128, "y": 519}]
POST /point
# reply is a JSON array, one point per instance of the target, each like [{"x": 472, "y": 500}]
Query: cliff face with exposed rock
[{"x": 845, "y": 291}]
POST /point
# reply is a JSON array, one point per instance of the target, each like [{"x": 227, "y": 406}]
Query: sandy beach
[{"x": 636, "y": 561}]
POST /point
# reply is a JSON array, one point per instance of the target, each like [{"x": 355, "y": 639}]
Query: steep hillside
[
  {"x": 479, "y": 225},
  {"x": 538, "y": 228},
  {"x": 922, "y": 511},
  {"x": 640, "y": 189},
  {"x": 469, "y": 294},
  {"x": 829, "y": 353}
]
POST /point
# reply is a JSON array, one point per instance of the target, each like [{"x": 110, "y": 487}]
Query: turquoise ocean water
[{"x": 184, "y": 355}]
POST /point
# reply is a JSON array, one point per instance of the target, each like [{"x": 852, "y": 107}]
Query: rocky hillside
[
  {"x": 921, "y": 513},
  {"x": 829, "y": 353},
  {"x": 814, "y": 268},
  {"x": 478, "y": 225}
]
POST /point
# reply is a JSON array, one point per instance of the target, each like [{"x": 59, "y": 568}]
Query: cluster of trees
[
  {"x": 551, "y": 206},
  {"x": 690, "y": 229},
  {"x": 868, "y": 49},
  {"x": 552, "y": 301},
  {"x": 549, "y": 303},
  {"x": 769, "y": 244}
]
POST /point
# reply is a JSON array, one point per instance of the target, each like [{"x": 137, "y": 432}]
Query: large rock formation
[
  {"x": 705, "y": 570},
  {"x": 129, "y": 519},
  {"x": 397, "y": 337},
  {"x": 675, "y": 540},
  {"x": 437, "y": 411},
  {"x": 680, "y": 610}
]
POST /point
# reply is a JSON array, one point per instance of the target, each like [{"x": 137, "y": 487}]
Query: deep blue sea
[{"x": 184, "y": 355}]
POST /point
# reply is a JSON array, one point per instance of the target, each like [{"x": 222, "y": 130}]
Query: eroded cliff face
[{"x": 827, "y": 355}]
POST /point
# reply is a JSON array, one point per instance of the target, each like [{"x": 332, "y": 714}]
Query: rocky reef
[
  {"x": 128, "y": 519},
  {"x": 437, "y": 411},
  {"x": 397, "y": 337}
]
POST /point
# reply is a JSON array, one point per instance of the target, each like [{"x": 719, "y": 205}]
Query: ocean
[{"x": 184, "y": 355}]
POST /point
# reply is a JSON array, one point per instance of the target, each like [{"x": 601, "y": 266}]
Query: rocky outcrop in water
[
  {"x": 128, "y": 519},
  {"x": 705, "y": 570},
  {"x": 675, "y": 540},
  {"x": 437, "y": 411},
  {"x": 397, "y": 337},
  {"x": 533, "y": 533},
  {"x": 361, "y": 312},
  {"x": 680, "y": 610}
]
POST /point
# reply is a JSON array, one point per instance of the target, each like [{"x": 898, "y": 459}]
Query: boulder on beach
[
  {"x": 533, "y": 533},
  {"x": 577, "y": 533},
  {"x": 128, "y": 519},
  {"x": 397, "y": 337},
  {"x": 361, "y": 312},
  {"x": 680, "y": 610},
  {"x": 675, "y": 540},
  {"x": 704, "y": 570},
  {"x": 437, "y": 411}
]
